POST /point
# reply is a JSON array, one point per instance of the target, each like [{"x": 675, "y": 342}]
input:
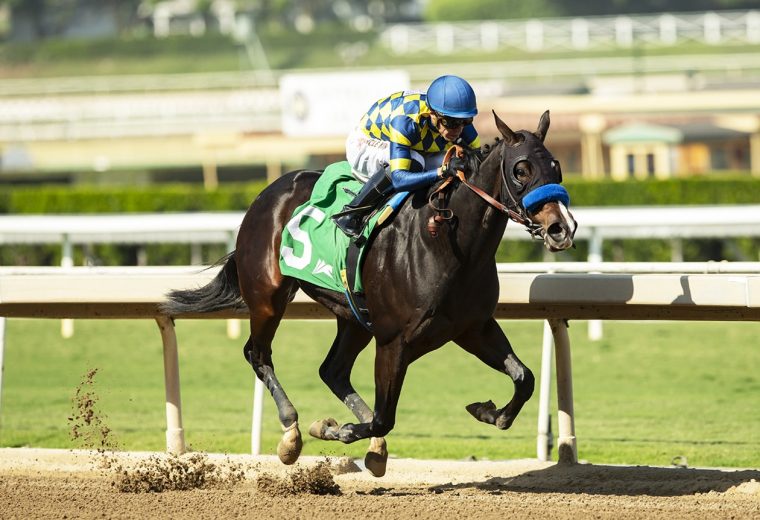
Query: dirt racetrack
[{"x": 83, "y": 484}]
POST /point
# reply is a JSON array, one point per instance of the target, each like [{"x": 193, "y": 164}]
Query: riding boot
[{"x": 374, "y": 191}]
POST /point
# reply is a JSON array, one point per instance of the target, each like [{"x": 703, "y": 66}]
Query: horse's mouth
[
  {"x": 556, "y": 239},
  {"x": 556, "y": 247}
]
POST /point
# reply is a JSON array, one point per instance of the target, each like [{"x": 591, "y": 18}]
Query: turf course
[{"x": 645, "y": 394}]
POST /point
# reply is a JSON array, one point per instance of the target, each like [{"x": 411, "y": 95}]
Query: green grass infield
[{"x": 648, "y": 393}]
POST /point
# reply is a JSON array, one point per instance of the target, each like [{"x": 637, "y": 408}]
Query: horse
[{"x": 422, "y": 289}]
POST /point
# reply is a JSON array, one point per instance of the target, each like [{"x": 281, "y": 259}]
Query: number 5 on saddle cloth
[{"x": 314, "y": 249}]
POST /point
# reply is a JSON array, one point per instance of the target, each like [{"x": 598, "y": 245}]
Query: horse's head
[{"x": 531, "y": 188}]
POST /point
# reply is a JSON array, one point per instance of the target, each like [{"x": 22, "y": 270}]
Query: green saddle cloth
[{"x": 313, "y": 248}]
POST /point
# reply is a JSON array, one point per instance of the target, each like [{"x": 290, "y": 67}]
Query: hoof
[
  {"x": 376, "y": 458},
  {"x": 289, "y": 447},
  {"x": 318, "y": 429},
  {"x": 485, "y": 412}
]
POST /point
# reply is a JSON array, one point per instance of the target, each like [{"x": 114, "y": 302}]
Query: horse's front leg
[
  {"x": 489, "y": 344},
  {"x": 390, "y": 370}
]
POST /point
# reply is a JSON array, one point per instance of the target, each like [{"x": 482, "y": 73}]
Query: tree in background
[
  {"x": 289, "y": 12},
  {"x": 40, "y": 19},
  {"x": 34, "y": 12}
]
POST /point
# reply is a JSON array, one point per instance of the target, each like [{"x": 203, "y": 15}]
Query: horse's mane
[
  {"x": 475, "y": 157},
  {"x": 486, "y": 149}
]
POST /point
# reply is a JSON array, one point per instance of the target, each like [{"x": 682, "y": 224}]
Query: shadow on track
[{"x": 614, "y": 480}]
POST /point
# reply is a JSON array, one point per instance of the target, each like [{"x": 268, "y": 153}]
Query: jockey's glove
[{"x": 450, "y": 169}]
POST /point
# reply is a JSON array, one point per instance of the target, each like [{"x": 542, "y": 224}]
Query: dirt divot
[
  {"x": 161, "y": 473},
  {"x": 88, "y": 426},
  {"x": 343, "y": 465},
  {"x": 314, "y": 480}
]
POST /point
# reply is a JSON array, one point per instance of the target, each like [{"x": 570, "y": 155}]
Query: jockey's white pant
[{"x": 368, "y": 156}]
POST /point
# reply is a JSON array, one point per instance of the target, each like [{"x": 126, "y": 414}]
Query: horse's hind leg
[
  {"x": 335, "y": 371},
  {"x": 266, "y": 314},
  {"x": 488, "y": 342}
]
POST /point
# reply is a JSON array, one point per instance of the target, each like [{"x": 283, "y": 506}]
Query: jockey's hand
[{"x": 450, "y": 169}]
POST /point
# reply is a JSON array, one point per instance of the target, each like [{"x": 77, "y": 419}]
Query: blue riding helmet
[{"x": 452, "y": 96}]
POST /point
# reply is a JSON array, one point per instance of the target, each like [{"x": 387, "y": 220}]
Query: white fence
[
  {"x": 591, "y": 32},
  {"x": 595, "y": 225}
]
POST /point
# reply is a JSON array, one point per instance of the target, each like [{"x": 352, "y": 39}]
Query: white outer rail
[
  {"x": 135, "y": 293},
  {"x": 724, "y": 267},
  {"x": 218, "y": 227}
]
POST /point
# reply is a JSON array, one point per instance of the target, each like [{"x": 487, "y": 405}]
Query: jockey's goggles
[{"x": 452, "y": 122}]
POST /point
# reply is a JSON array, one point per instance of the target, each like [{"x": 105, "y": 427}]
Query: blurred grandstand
[{"x": 621, "y": 105}]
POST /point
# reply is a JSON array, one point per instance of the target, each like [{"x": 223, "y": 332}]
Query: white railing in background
[
  {"x": 32, "y": 110},
  {"x": 629, "y": 31},
  {"x": 590, "y": 32},
  {"x": 596, "y": 224},
  {"x": 722, "y": 267},
  {"x": 733, "y": 64},
  {"x": 133, "y": 228}
]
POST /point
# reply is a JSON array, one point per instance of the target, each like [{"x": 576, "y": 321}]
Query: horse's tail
[{"x": 221, "y": 293}]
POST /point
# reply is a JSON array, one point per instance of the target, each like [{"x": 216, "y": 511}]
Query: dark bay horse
[{"x": 421, "y": 291}]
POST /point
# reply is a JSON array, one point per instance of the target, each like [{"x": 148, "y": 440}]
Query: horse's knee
[
  {"x": 526, "y": 383},
  {"x": 248, "y": 351},
  {"x": 255, "y": 362}
]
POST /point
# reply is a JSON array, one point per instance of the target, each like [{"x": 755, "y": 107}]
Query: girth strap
[{"x": 348, "y": 276}]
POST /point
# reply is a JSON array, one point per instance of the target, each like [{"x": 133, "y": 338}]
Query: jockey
[{"x": 400, "y": 142}]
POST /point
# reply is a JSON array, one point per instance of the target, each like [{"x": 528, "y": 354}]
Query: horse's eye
[
  {"x": 522, "y": 172},
  {"x": 557, "y": 169}
]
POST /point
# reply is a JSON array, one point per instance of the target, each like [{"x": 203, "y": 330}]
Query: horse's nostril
[{"x": 555, "y": 229}]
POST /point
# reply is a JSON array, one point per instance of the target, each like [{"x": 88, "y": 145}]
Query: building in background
[{"x": 628, "y": 116}]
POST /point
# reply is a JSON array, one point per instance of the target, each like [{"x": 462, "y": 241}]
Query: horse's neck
[{"x": 480, "y": 226}]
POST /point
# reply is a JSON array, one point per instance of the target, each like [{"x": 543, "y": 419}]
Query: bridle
[{"x": 518, "y": 214}]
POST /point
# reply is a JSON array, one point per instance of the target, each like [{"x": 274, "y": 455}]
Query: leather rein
[{"x": 445, "y": 214}]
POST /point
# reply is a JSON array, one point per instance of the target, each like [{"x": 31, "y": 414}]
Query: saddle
[{"x": 313, "y": 249}]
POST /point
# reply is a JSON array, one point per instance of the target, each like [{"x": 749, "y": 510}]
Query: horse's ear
[
  {"x": 510, "y": 137},
  {"x": 543, "y": 126}
]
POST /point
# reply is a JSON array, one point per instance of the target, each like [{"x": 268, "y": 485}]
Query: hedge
[
  {"x": 724, "y": 189},
  {"x": 237, "y": 197},
  {"x": 150, "y": 199}
]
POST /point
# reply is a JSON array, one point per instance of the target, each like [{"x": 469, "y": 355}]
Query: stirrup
[{"x": 351, "y": 224}]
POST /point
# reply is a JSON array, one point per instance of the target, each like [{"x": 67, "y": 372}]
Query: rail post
[
  {"x": 67, "y": 261},
  {"x": 2, "y": 356},
  {"x": 567, "y": 450},
  {"x": 258, "y": 414},
  {"x": 542, "y": 439},
  {"x": 175, "y": 435}
]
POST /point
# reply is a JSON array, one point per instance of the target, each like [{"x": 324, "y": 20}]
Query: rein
[{"x": 446, "y": 214}]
